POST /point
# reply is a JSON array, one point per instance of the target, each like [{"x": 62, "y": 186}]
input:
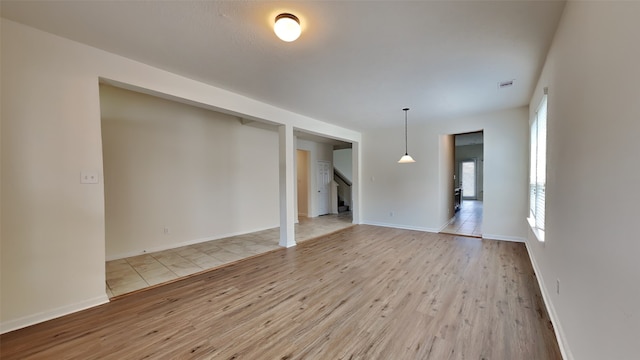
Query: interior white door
[{"x": 324, "y": 186}]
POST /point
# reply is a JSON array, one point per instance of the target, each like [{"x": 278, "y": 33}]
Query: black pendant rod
[{"x": 406, "y": 146}]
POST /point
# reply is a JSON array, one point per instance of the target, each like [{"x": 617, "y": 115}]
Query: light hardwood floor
[{"x": 362, "y": 293}]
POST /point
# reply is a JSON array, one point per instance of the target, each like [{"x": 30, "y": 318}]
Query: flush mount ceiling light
[
  {"x": 406, "y": 158},
  {"x": 287, "y": 27}
]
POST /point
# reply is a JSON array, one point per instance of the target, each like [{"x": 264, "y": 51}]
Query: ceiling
[{"x": 356, "y": 64}]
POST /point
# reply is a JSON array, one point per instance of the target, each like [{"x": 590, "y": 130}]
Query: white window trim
[{"x": 538, "y": 232}]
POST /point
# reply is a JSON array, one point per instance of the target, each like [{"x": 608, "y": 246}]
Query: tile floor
[
  {"x": 468, "y": 220},
  {"x": 138, "y": 272}
]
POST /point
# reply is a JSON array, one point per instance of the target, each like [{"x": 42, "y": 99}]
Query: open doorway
[
  {"x": 468, "y": 185},
  {"x": 327, "y": 208}
]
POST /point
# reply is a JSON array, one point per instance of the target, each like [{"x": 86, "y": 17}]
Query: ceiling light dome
[{"x": 287, "y": 27}]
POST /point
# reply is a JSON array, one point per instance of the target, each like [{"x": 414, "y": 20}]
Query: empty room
[{"x": 319, "y": 179}]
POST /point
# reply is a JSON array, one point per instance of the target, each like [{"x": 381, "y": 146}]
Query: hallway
[
  {"x": 146, "y": 270},
  {"x": 467, "y": 221}
]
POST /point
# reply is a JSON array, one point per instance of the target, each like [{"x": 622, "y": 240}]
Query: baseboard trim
[
  {"x": 444, "y": 226},
  {"x": 557, "y": 328},
  {"x": 184, "y": 243},
  {"x": 437, "y": 230},
  {"x": 400, "y": 226},
  {"x": 504, "y": 238},
  {"x": 29, "y": 320}
]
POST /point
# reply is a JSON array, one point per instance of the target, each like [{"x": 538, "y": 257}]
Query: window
[{"x": 538, "y": 169}]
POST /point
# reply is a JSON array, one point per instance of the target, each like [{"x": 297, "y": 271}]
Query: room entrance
[{"x": 468, "y": 185}]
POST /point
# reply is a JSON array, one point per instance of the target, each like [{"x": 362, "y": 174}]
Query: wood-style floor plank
[{"x": 363, "y": 293}]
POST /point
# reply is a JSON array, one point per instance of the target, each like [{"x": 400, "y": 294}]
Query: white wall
[
  {"x": 412, "y": 192},
  {"x": 187, "y": 169},
  {"x": 53, "y": 229},
  {"x": 343, "y": 160},
  {"x": 592, "y": 243}
]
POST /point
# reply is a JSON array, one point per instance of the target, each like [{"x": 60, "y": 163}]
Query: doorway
[{"x": 468, "y": 185}]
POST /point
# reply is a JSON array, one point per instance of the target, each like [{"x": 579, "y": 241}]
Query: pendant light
[{"x": 406, "y": 158}]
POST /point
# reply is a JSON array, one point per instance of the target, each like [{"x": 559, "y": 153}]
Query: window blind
[{"x": 538, "y": 167}]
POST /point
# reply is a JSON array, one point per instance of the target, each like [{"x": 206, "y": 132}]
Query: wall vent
[{"x": 505, "y": 84}]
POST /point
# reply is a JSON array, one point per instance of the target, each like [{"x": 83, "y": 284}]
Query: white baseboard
[
  {"x": 453, "y": 218},
  {"x": 504, "y": 238},
  {"x": 437, "y": 230},
  {"x": 562, "y": 342},
  {"x": 23, "y": 322},
  {"x": 400, "y": 226},
  {"x": 444, "y": 226},
  {"x": 183, "y": 243}
]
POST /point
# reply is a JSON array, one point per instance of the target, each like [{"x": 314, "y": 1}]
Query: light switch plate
[{"x": 88, "y": 177}]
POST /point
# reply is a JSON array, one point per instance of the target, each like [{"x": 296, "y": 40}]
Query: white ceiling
[{"x": 356, "y": 64}]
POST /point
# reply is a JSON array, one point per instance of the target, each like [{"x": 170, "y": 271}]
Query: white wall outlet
[
  {"x": 391, "y": 213},
  {"x": 166, "y": 231},
  {"x": 89, "y": 177},
  {"x": 558, "y": 286}
]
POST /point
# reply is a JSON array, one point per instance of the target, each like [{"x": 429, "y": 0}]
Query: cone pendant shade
[{"x": 406, "y": 159}]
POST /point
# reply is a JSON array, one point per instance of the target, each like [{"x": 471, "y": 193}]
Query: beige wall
[
  {"x": 446, "y": 171},
  {"x": 303, "y": 171},
  {"x": 592, "y": 243},
  {"x": 186, "y": 169}
]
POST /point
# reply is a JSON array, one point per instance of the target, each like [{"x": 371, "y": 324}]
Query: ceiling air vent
[{"x": 505, "y": 84}]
